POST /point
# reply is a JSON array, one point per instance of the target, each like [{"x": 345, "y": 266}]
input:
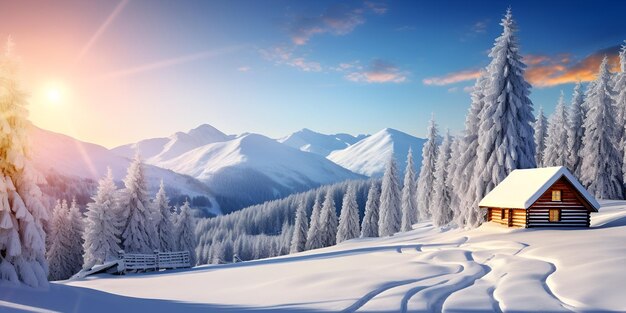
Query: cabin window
[
  {"x": 501, "y": 214},
  {"x": 556, "y": 195},
  {"x": 555, "y": 215}
]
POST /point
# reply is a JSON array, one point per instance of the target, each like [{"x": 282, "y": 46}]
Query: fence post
[
  {"x": 121, "y": 266},
  {"x": 157, "y": 262}
]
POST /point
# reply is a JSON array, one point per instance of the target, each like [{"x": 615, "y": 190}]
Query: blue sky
[{"x": 136, "y": 69}]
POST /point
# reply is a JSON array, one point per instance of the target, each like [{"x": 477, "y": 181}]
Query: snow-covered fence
[{"x": 153, "y": 262}]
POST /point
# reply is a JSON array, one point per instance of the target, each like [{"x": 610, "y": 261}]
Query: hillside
[
  {"x": 253, "y": 168},
  {"x": 425, "y": 270},
  {"x": 60, "y": 155},
  {"x": 370, "y": 155}
]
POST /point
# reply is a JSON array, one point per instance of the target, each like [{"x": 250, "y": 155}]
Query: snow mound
[
  {"x": 425, "y": 270},
  {"x": 370, "y": 155}
]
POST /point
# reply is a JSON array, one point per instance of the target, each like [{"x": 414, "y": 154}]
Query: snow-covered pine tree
[
  {"x": 575, "y": 131},
  {"x": 76, "y": 230},
  {"x": 442, "y": 212},
  {"x": 185, "y": 232},
  {"x": 506, "y": 137},
  {"x": 298, "y": 239},
  {"x": 409, "y": 207},
  {"x": 541, "y": 135},
  {"x": 455, "y": 156},
  {"x": 102, "y": 226},
  {"x": 464, "y": 181},
  {"x": 164, "y": 222},
  {"x": 601, "y": 170},
  {"x": 314, "y": 235},
  {"x": 328, "y": 221},
  {"x": 60, "y": 252},
  {"x": 620, "y": 97},
  {"x": 349, "y": 217},
  {"x": 390, "y": 215},
  {"x": 556, "y": 150},
  {"x": 22, "y": 238},
  {"x": 427, "y": 172},
  {"x": 139, "y": 233},
  {"x": 369, "y": 225}
]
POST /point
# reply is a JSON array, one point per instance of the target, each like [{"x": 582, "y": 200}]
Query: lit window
[
  {"x": 556, "y": 195},
  {"x": 555, "y": 215}
]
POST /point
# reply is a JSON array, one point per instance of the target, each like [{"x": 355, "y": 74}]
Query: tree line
[{"x": 117, "y": 219}]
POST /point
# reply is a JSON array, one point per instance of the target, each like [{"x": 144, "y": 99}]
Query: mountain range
[{"x": 232, "y": 171}]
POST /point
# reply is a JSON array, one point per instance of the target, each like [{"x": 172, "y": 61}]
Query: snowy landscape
[{"x": 159, "y": 188}]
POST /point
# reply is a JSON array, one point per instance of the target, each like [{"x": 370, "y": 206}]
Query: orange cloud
[
  {"x": 378, "y": 72},
  {"x": 452, "y": 78},
  {"x": 544, "y": 70},
  {"x": 551, "y": 71}
]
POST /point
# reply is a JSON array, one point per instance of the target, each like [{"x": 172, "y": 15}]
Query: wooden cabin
[{"x": 540, "y": 197}]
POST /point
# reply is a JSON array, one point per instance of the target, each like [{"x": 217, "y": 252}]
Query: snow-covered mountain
[
  {"x": 314, "y": 142},
  {"x": 157, "y": 150},
  {"x": 59, "y": 154},
  {"x": 370, "y": 155},
  {"x": 253, "y": 168}
]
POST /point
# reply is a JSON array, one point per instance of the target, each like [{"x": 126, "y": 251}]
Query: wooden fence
[{"x": 154, "y": 262}]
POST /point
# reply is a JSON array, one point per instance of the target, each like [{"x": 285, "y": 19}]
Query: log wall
[{"x": 573, "y": 209}]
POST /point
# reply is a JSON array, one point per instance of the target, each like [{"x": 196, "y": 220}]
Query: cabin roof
[{"x": 523, "y": 187}]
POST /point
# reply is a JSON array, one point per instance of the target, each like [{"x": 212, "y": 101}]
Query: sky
[{"x": 115, "y": 72}]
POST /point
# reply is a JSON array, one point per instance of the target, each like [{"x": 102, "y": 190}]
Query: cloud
[
  {"x": 545, "y": 70},
  {"x": 405, "y": 28},
  {"x": 336, "y": 20},
  {"x": 244, "y": 69},
  {"x": 378, "y": 71},
  {"x": 479, "y": 27},
  {"x": 285, "y": 55},
  {"x": 452, "y": 78},
  {"x": 548, "y": 71}
]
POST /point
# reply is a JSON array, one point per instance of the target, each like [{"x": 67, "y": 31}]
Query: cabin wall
[
  {"x": 511, "y": 217},
  {"x": 573, "y": 211}
]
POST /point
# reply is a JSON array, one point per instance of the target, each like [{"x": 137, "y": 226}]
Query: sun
[{"x": 54, "y": 94}]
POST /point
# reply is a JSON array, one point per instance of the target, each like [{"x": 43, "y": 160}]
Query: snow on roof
[{"x": 523, "y": 187}]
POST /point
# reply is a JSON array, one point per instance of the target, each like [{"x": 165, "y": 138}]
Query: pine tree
[
  {"x": 427, "y": 172},
  {"x": 506, "y": 136},
  {"x": 76, "y": 230},
  {"x": 464, "y": 180},
  {"x": 601, "y": 168},
  {"x": 409, "y": 207},
  {"x": 349, "y": 217},
  {"x": 102, "y": 226},
  {"x": 60, "y": 253},
  {"x": 328, "y": 221},
  {"x": 164, "y": 222},
  {"x": 369, "y": 225},
  {"x": 185, "y": 232},
  {"x": 22, "y": 238},
  {"x": 620, "y": 97},
  {"x": 541, "y": 134},
  {"x": 442, "y": 211},
  {"x": 390, "y": 218},
  {"x": 139, "y": 233},
  {"x": 298, "y": 239},
  {"x": 575, "y": 131},
  {"x": 314, "y": 235},
  {"x": 455, "y": 156},
  {"x": 556, "y": 148}
]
